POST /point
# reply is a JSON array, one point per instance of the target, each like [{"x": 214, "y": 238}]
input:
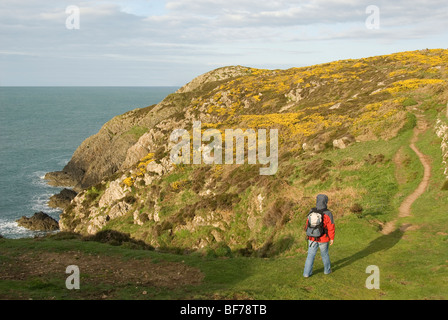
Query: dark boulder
[
  {"x": 40, "y": 221},
  {"x": 62, "y": 199}
]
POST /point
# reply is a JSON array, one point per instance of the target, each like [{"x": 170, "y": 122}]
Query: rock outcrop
[
  {"x": 104, "y": 153},
  {"x": 62, "y": 199},
  {"x": 40, "y": 221},
  {"x": 343, "y": 142}
]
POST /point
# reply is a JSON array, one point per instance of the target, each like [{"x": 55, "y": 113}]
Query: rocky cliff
[{"x": 127, "y": 181}]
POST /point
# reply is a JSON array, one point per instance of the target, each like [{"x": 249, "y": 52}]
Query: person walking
[{"x": 320, "y": 231}]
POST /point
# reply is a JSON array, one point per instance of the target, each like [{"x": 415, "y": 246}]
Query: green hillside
[{"x": 197, "y": 231}]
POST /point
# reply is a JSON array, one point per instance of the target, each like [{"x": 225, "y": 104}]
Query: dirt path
[{"x": 405, "y": 207}]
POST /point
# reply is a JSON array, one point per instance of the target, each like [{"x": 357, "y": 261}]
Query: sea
[{"x": 40, "y": 129}]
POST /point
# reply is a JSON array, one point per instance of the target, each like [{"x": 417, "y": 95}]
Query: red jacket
[{"x": 328, "y": 226}]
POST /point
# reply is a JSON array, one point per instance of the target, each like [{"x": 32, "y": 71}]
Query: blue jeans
[{"x": 312, "y": 250}]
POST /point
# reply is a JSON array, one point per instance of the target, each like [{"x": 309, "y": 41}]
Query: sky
[{"x": 169, "y": 42}]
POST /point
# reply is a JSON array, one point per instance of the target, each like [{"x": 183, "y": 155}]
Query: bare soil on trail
[
  {"x": 99, "y": 270},
  {"x": 405, "y": 207}
]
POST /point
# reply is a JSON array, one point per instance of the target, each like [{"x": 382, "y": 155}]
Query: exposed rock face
[
  {"x": 141, "y": 148},
  {"x": 99, "y": 155},
  {"x": 126, "y": 138},
  {"x": 104, "y": 153},
  {"x": 40, "y": 221},
  {"x": 99, "y": 221},
  {"x": 442, "y": 132},
  {"x": 112, "y": 204},
  {"x": 113, "y": 193},
  {"x": 214, "y": 75},
  {"x": 62, "y": 199},
  {"x": 343, "y": 143}
]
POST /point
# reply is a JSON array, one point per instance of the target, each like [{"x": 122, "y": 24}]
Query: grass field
[{"x": 413, "y": 264}]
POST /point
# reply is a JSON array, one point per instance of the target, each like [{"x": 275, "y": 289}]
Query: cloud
[
  {"x": 194, "y": 34},
  {"x": 247, "y": 13},
  {"x": 233, "y": 20}
]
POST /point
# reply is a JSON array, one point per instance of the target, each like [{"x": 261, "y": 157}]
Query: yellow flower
[
  {"x": 411, "y": 84},
  {"x": 129, "y": 181}
]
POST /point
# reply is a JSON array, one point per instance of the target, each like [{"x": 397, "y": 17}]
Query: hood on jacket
[{"x": 321, "y": 202}]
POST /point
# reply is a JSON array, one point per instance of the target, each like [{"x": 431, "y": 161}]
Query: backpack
[{"x": 315, "y": 225}]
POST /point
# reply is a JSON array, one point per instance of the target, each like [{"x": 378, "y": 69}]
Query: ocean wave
[
  {"x": 39, "y": 202},
  {"x": 11, "y": 230},
  {"x": 36, "y": 201},
  {"x": 37, "y": 178}
]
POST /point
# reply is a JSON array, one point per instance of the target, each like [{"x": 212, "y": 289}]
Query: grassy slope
[{"x": 412, "y": 265}]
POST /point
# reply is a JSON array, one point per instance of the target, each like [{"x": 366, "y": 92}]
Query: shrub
[
  {"x": 409, "y": 102},
  {"x": 445, "y": 185},
  {"x": 411, "y": 122},
  {"x": 279, "y": 213},
  {"x": 129, "y": 198},
  {"x": 199, "y": 176},
  {"x": 129, "y": 181},
  {"x": 227, "y": 200},
  {"x": 92, "y": 194},
  {"x": 346, "y": 162},
  {"x": 160, "y": 153},
  {"x": 219, "y": 249},
  {"x": 178, "y": 185},
  {"x": 117, "y": 238},
  {"x": 356, "y": 208},
  {"x": 371, "y": 159},
  {"x": 65, "y": 235},
  {"x": 137, "y": 131},
  {"x": 143, "y": 217},
  {"x": 317, "y": 169}
]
